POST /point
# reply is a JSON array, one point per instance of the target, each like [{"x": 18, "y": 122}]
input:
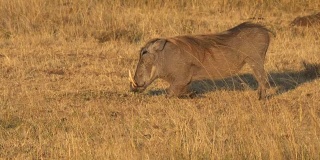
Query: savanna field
[{"x": 64, "y": 88}]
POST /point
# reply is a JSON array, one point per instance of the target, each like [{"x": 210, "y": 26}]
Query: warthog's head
[{"x": 148, "y": 66}]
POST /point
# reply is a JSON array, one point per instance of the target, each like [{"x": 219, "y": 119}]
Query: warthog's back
[{"x": 223, "y": 54}]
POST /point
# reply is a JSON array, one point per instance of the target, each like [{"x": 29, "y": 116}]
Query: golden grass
[{"x": 64, "y": 83}]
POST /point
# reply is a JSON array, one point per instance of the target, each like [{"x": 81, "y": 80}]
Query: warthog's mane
[{"x": 199, "y": 45}]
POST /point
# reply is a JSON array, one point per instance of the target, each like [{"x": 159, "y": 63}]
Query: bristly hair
[
  {"x": 209, "y": 40},
  {"x": 238, "y": 28},
  {"x": 198, "y": 44}
]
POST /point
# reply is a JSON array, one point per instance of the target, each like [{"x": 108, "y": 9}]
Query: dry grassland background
[{"x": 64, "y": 89}]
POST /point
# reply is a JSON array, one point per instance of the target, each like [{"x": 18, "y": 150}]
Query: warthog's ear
[{"x": 159, "y": 44}]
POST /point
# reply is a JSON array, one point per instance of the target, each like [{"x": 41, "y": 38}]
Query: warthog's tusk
[
  {"x": 132, "y": 80},
  {"x": 153, "y": 72}
]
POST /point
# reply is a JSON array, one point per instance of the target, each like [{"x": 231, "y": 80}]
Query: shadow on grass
[{"x": 284, "y": 81}]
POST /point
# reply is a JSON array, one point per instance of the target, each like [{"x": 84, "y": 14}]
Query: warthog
[{"x": 182, "y": 59}]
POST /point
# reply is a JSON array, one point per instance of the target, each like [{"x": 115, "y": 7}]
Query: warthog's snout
[{"x": 134, "y": 86}]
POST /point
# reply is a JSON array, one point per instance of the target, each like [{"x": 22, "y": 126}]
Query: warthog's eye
[{"x": 144, "y": 52}]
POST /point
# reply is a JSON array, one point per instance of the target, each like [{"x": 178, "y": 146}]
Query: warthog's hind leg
[{"x": 260, "y": 75}]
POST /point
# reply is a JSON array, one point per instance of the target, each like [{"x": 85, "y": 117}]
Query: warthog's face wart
[{"x": 147, "y": 68}]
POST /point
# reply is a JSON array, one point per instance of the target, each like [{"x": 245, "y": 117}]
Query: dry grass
[{"x": 64, "y": 83}]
